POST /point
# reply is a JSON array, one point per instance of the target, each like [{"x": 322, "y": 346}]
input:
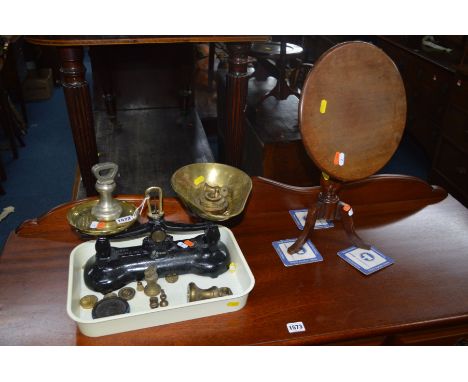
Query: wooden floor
[
  {"x": 149, "y": 146},
  {"x": 274, "y": 119},
  {"x": 152, "y": 138}
]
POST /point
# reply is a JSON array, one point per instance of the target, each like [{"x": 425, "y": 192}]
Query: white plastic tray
[{"x": 240, "y": 280}]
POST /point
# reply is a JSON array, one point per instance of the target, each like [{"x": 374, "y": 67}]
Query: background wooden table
[
  {"x": 421, "y": 299},
  {"x": 77, "y": 94}
]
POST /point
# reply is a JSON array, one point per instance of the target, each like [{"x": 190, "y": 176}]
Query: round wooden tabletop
[{"x": 352, "y": 111}]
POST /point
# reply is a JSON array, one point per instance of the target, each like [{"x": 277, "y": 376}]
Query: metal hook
[{"x": 158, "y": 213}]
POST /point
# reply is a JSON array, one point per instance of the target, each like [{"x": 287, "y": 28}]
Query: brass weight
[
  {"x": 152, "y": 288},
  {"x": 195, "y": 293},
  {"x": 88, "y": 301}
]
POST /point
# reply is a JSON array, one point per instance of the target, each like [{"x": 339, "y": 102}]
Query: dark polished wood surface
[
  {"x": 124, "y": 40},
  {"x": 419, "y": 299},
  {"x": 353, "y": 103},
  {"x": 131, "y": 77}
]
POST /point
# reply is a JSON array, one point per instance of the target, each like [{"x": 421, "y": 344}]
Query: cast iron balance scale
[
  {"x": 352, "y": 115},
  {"x": 213, "y": 191}
]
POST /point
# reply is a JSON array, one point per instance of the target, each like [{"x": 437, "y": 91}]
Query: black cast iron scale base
[{"x": 112, "y": 268}]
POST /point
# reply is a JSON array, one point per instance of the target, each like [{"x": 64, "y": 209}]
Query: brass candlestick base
[
  {"x": 100, "y": 217},
  {"x": 329, "y": 207},
  {"x": 81, "y": 218}
]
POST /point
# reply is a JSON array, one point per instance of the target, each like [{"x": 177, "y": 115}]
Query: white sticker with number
[
  {"x": 124, "y": 219},
  {"x": 294, "y": 327}
]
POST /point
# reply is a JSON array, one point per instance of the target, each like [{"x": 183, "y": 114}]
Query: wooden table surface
[
  {"x": 421, "y": 227},
  {"x": 125, "y": 40}
]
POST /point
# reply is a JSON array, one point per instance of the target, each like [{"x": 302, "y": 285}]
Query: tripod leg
[
  {"x": 348, "y": 225},
  {"x": 308, "y": 229}
]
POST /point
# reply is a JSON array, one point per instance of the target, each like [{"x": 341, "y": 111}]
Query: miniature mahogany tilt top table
[
  {"x": 420, "y": 299},
  {"x": 78, "y": 99}
]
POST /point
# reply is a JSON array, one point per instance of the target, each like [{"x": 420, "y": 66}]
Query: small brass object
[
  {"x": 158, "y": 236},
  {"x": 150, "y": 272},
  {"x": 154, "y": 302},
  {"x": 164, "y": 301},
  {"x": 172, "y": 278},
  {"x": 213, "y": 191},
  {"x": 152, "y": 288},
  {"x": 195, "y": 293},
  {"x": 127, "y": 293},
  {"x": 88, "y": 301},
  {"x": 110, "y": 295},
  {"x": 140, "y": 287},
  {"x": 214, "y": 198}
]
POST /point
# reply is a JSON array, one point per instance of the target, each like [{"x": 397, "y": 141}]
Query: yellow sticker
[
  {"x": 325, "y": 176},
  {"x": 198, "y": 180},
  {"x": 233, "y": 303},
  {"x": 323, "y": 106},
  {"x": 232, "y": 267}
]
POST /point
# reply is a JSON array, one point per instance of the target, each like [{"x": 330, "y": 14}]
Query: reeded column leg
[
  {"x": 236, "y": 101},
  {"x": 80, "y": 112}
]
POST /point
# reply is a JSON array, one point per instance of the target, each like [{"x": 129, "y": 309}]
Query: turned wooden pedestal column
[
  {"x": 80, "y": 112},
  {"x": 236, "y": 98}
]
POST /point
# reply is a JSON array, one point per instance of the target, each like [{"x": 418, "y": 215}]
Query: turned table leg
[
  {"x": 236, "y": 101},
  {"x": 80, "y": 112}
]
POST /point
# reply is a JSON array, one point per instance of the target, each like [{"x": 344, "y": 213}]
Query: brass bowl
[
  {"x": 197, "y": 183},
  {"x": 80, "y": 218}
]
